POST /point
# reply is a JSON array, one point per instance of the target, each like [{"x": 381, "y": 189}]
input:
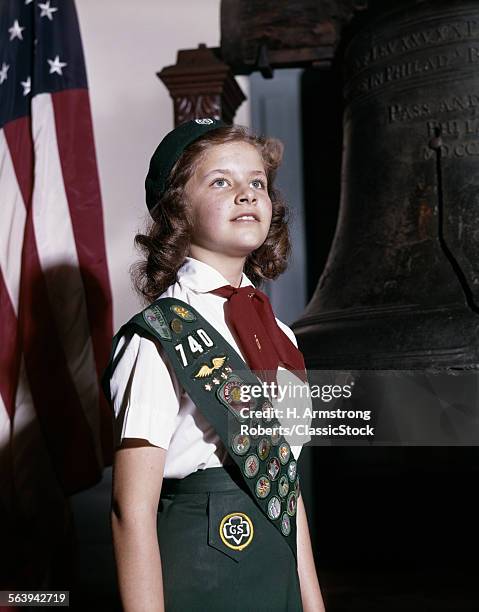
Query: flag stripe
[
  {"x": 57, "y": 404},
  {"x": 9, "y": 352},
  {"x": 18, "y": 135},
  {"x": 38, "y": 331},
  {"x": 73, "y": 122},
  {"x": 82, "y": 187},
  {"x": 11, "y": 240},
  {"x": 59, "y": 261},
  {"x": 13, "y": 224}
]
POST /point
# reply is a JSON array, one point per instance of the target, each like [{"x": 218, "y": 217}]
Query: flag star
[
  {"x": 3, "y": 72},
  {"x": 56, "y": 65},
  {"x": 47, "y": 10},
  {"x": 27, "y": 86},
  {"x": 16, "y": 30}
]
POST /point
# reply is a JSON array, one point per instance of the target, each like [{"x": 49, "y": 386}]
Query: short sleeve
[{"x": 145, "y": 391}]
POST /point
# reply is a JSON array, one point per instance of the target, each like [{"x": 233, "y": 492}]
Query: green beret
[{"x": 168, "y": 152}]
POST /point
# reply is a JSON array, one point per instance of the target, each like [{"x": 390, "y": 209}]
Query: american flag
[{"x": 55, "y": 298}]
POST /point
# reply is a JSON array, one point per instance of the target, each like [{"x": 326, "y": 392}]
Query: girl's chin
[
  {"x": 245, "y": 251},
  {"x": 247, "y": 241}
]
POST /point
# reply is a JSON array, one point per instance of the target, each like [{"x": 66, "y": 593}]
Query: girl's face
[{"x": 228, "y": 200}]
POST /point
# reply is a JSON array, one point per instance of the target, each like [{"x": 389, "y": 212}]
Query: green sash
[{"x": 213, "y": 374}]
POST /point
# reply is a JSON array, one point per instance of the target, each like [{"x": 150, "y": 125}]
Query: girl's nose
[{"x": 245, "y": 196}]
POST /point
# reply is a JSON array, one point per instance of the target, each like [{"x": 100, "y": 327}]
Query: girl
[{"x": 196, "y": 524}]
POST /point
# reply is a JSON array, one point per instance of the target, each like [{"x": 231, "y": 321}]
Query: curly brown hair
[{"x": 167, "y": 239}]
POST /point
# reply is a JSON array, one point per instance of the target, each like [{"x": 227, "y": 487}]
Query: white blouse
[{"x": 148, "y": 400}]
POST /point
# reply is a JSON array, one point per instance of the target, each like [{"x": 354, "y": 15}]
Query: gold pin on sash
[{"x": 206, "y": 370}]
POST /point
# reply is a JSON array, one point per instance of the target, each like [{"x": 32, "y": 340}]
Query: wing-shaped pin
[
  {"x": 218, "y": 362},
  {"x": 206, "y": 370}
]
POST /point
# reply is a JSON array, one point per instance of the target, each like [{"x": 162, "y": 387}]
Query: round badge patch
[
  {"x": 291, "y": 504},
  {"x": 264, "y": 446},
  {"x": 274, "y": 508},
  {"x": 263, "y": 487},
  {"x": 284, "y": 452},
  {"x": 285, "y": 524},
  {"x": 267, "y": 410},
  {"x": 292, "y": 470},
  {"x": 296, "y": 486},
  {"x": 251, "y": 466},
  {"x": 241, "y": 444},
  {"x": 275, "y": 437},
  {"x": 230, "y": 394},
  {"x": 236, "y": 530},
  {"x": 177, "y": 326},
  {"x": 283, "y": 486},
  {"x": 273, "y": 468},
  {"x": 254, "y": 425},
  {"x": 182, "y": 312}
]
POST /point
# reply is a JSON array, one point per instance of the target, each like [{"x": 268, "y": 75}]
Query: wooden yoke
[{"x": 202, "y": 85}]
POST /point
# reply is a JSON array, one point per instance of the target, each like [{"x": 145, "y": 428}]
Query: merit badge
[
  {"x": 183, "y": 312},
  {"x": 284, "y": 452},
  {"x": 156, "y": 320},
  {"x": 251, "y": 466},
  {"x": 275, "y": 436},
  {"x": 241, "y": 444},
  {"x": 236, "y": 530},
  {"x": 267, "y": 409},
  {"x": 229, "y": 394},
  {"x": 291, "y": 504},
  {"x": 263, "y": 487},
  {"x": 273, "y": 468},
  {"x": 264, "y": 446},
  {"x": 285, "y": 524},
  {"x": 274, "y": 508},
  {"x": 207, "y": 369},
  {"x": 177, "y": 326},
  {"x": 254, "y": 425},
  {"x": 283, "y": 486},
  {"x": 292, "y": 470},
  {"x": 296, "y": 486}
]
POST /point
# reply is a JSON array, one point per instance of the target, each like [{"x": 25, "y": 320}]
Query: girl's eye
[
  {"x": 257, "y": 184},
  {"x": 220, "y": 182}
]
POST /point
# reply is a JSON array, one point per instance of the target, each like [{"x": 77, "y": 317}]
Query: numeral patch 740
[{"x": 191, "y": 347}]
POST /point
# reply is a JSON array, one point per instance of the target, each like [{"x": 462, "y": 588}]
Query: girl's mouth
[{"x": 246, "y": 218}]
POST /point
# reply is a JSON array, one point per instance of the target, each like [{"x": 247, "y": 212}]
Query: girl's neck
[{"x": 230, "y": 267}]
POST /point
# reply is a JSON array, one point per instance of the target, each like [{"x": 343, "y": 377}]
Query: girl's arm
[
  {"x": 137, "y": 479},
  {"x": 310, "y": 591}
]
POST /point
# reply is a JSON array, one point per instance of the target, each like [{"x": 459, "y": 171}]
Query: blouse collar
[{"x": 201, "y": 277}]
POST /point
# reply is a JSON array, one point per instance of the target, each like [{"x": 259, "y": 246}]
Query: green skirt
[{"x": 219, "y": 552}]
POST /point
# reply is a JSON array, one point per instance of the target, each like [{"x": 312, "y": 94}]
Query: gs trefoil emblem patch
[{"x": 236, "y": 530}]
